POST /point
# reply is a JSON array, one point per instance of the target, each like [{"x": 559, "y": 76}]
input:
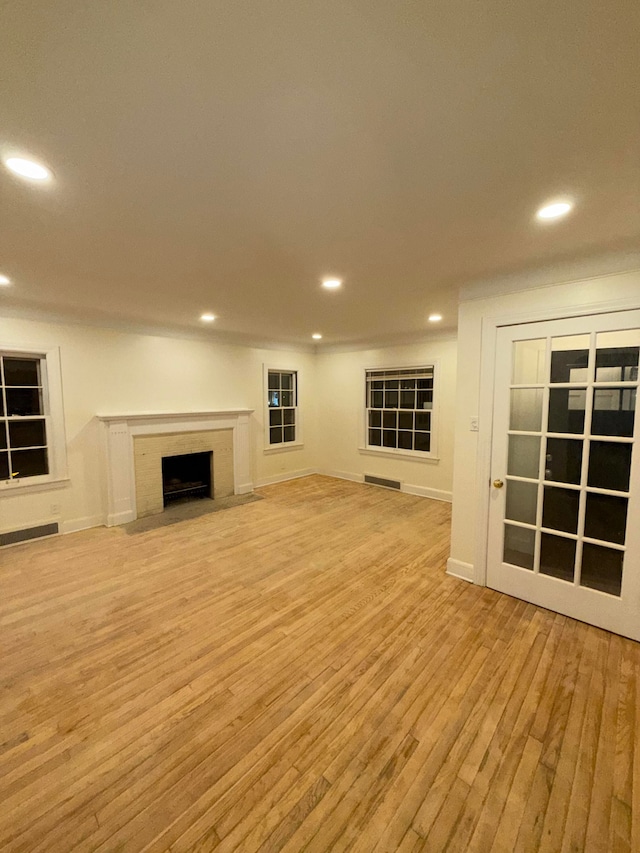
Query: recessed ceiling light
[
  {"x": 28, "y": 169},
  {"x": 317, "y": 336},
  {"x": 435, "y": 318},
  {"x": 554, "y": 210},
  {"x": 208, "y": 318},
  {"x": 331, "y": 283},
  {"x": 4, "y": 280}
]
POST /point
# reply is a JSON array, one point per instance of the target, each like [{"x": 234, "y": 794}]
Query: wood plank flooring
[{"x": 300, "y": 674}]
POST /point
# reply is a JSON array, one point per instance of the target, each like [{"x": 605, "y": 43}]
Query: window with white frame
[
  {"x": 32, "y": 446},
  {"x": 282, "y": 407},
  {"x": 400, "y": 409}
]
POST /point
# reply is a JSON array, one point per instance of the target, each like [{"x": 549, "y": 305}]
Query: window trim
[
  {"x": 414, "y": 455},
  {"x": 53, "y": 416},
  {"x": 285, "y": 445}
]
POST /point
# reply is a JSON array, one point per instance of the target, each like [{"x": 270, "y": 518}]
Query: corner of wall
[{"x": 458, "y": 569}]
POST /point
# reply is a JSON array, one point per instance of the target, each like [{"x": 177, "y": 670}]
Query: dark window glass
[
  {"x": 389, "y": 438},
  {"x": 425, "y": 400},
  {"x": 389, "y": 420},
  {"x": 609, "y": 465},
  {"x": 566, "y": 409},
  {"x": 617, "y": 364},
  {"x": 405, "y": 440},
  {"x": 423, "y": 421},
  {"x": 286, "y": 381},
  {"x": 519, "y": 546},
  {"x": 613, "y": 411},
  {"x": 1, "y": 404},
  {"x": 21, "y": 371},
  {"x": 289, "y": 433},
  {"x": 403, "y": 409},
  {"x": 29, "y": 463},
  {"x": 407, "y": 399},
  {"x": 275, "y": 435},
  {"x": 3, "y": 436},
  {"x": 289, "y": 416},
  {"x": 375, "y": 437},
  {"x": 563, "y": 363},
  {"x": 4, "y": 466},
  {"x": 606, "y": 518},
  {"x": 557, "y": 557},
  {"x": 564, "y": 460},
  {"x": 274, "y": 381},
  {"x": 275, "y": 417},
  {"x": 286, "y": 398},
  {"x": 560, "y": 509},
  {"x": 601, "y": 568},
  {"x": 274, "y": 398},
  {"x": 27, "y": 434},
  {"x": 405, "y": 420},
  {"x": 423, "y": 441},
  {"x": 24, "y": 401}
]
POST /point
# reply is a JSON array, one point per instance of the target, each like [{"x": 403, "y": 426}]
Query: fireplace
[
  {"x": 187, "y": 476},
  {"x": 136, "y": 443}
]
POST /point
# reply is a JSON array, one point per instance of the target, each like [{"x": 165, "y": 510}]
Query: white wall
[
  {"x": 603, "y": 292},
  {"x": 111, "y": 372},
  {"x": 341, "y": 395}
]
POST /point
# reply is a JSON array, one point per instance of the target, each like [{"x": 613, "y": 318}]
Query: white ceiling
[{"x": 224, "y": 156}]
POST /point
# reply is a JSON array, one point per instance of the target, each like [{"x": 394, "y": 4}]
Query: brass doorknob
[{"x": 498, "y": 484}]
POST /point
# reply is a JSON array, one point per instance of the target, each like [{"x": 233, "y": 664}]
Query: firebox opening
[{"x": 187, "y": 476}]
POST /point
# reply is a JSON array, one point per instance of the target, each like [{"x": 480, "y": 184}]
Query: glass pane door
[{"x": 563, "y": 459}]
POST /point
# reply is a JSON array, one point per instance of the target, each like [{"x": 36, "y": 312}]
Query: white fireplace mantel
[{"x": 119, "y": 431}]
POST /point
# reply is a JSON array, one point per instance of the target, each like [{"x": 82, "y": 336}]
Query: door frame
[{"x": 488, "y": 349}]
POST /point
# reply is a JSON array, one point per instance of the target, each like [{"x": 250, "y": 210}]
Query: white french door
[{"x": 564, "y": 518}]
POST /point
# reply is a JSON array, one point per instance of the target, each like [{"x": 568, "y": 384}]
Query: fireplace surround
[{"x": 134, "y": 445}]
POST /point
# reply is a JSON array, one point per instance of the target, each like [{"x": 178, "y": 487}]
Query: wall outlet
[
  {"x": 55, "y": 509},
  {"x": 474, "y": 424}
]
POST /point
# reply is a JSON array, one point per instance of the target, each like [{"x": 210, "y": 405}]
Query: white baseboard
[
  {"x": 343, "y": 475},
  {"x": 244, "y": 489},
  {"x": 75, "y": 524},
  {"x": 458, "y": 569},
  {"x": 281, "y": 478},
  {"x": 426, "y": 492},
  {"x": 115, "y": 518},
  {"x": 407, "y": 488}
]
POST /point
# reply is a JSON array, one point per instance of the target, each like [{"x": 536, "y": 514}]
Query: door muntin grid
[{"x": 570, "y": 442}]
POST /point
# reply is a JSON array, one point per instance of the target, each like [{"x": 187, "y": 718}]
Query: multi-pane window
[
  {"x": 400, "y": 408},
  {"x": 23, "y": 423},
  {"x": 282, "y": 405}
]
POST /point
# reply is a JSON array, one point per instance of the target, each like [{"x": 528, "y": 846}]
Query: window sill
[
  {"x": 280, "y": 448},
  {"x": 399, "y": 454},
  {"x": 8, "y": 487}
]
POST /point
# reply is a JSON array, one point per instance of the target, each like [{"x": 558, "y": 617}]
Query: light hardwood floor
[{"x": 300, "y": 674}]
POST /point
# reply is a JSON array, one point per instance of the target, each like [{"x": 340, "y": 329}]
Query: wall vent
[
  {"x": 28, "y": 533},
  {"x": 379, "y": 481}
]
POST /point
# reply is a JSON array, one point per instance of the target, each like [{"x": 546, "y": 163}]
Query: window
[
  {"x": 282, "y": 407},
  {"x": 32, "y": 446},
  {"x": 400, "y": 409}
]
